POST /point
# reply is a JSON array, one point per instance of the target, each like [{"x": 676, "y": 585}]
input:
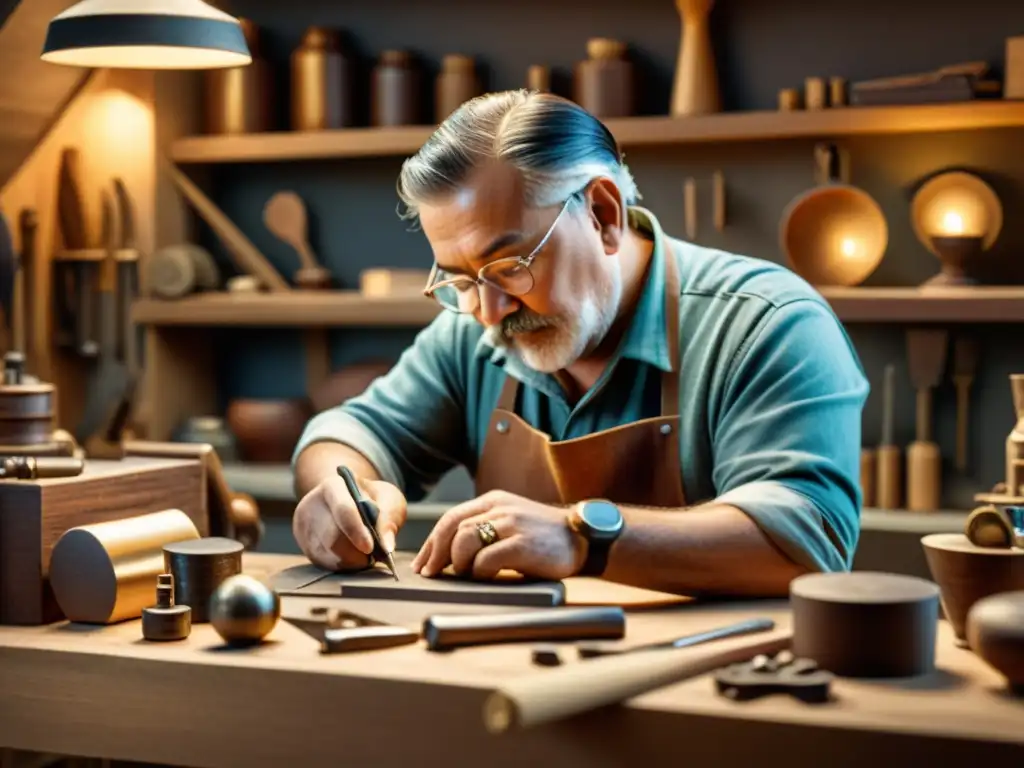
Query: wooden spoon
[{"x": 285, "y": 216}]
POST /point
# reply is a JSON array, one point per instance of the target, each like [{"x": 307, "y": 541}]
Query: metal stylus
[{"x": 369, "y": 513}]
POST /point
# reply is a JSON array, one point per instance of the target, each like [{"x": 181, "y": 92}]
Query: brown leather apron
[{"x": 635, "y": 463}]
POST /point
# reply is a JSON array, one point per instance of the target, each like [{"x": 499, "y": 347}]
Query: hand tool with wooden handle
[
  {"x": 926, "y": 359},
  {"x": 965, "y": 364},
  {"x": 444, "y": 632},
  {"x": 109, "y": 381},
  {"x": 71, "y": 213},
  {"x": 554, "y": 694},
  {"x": 888, "y": 461}
]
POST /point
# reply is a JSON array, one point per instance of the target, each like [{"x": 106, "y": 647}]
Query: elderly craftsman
[{"x": 631, "y": 406}]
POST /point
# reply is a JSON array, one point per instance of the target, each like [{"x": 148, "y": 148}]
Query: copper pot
[
  {"x": 268, "y": 430},
  {"x": 348, "y": 382}
]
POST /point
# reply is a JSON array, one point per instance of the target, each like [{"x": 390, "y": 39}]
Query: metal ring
[{"x": 487, "y": 533}]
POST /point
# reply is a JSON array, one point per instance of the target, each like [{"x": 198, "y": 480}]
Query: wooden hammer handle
[{"x": 588, "y": 685}]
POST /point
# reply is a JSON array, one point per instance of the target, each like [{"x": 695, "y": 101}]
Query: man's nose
[{"x": 495, "y": 305}]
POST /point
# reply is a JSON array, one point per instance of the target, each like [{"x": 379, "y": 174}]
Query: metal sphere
[{"x": 244, "y": 610}]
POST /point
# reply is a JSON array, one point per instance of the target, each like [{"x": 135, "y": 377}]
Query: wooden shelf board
[
  {"x": 631, "y": 132},
  {"x": 350, "y": 308},
  {"x": 292, "y": 308},
  {"x": 935, "y": 305}
]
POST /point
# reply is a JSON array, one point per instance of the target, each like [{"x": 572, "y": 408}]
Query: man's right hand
[{"x": 329, "y": 530}]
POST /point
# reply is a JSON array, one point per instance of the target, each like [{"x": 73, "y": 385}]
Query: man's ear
[{"x": 608, "y": 213}]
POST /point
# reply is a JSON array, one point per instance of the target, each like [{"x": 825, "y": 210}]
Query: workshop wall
[{"x": 760, "y": 47}]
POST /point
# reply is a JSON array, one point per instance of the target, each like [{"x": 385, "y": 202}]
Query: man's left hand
[{"x": 533, "y": 539}]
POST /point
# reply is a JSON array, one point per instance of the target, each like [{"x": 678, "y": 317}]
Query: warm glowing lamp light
[
  {"x": 145, "y": 34},
  {"x": 957, "y": 216}
]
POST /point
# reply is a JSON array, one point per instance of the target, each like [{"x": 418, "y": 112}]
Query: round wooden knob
[
  {"x": 245, "y": 519},
  {"x": 995, "y": 630},
  {"x": 605, "y": 48}
]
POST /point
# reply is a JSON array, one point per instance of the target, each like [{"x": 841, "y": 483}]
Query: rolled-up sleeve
[
  {"x": 409, "y": 423},
  {"x": 787, "y": 437}
]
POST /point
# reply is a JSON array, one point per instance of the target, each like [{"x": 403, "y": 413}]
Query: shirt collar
[{"x": 645, "y": 339}]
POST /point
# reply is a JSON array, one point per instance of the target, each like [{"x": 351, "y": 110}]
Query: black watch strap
[{"x": 597, "y": 557}]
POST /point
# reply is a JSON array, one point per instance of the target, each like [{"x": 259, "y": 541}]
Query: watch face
[{"x": 601, "y": 516}]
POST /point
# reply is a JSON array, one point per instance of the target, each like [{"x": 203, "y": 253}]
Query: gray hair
[{"x": 556, "y": 145}]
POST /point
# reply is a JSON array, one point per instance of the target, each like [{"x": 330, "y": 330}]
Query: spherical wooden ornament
[{"x": 244, "y": 610}]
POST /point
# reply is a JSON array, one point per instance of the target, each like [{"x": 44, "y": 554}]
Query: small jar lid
[
  {"x": 395, "y": 58},
  {"x": 605, "y": 48},
  {"x": 457, "y": 62}
]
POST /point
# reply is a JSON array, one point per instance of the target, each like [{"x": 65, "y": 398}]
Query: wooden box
[
  {"x": 1013, "y": 78},
  {"x": 35, "y": 513}
]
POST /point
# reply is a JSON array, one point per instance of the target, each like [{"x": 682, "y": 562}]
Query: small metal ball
[{"x": 244, "y": 610}]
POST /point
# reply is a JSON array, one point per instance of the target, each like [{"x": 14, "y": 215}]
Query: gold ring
[{"x": 488, "y": 535}]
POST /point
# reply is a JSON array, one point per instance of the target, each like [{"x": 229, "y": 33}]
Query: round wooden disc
[{"x": 865, "y": 624}]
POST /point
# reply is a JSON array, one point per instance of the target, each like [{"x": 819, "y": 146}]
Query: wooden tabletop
[{"x": 105, "y": 692}]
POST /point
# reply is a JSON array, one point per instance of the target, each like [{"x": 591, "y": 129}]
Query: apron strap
[
  {"x": 670, "y": 378},
  {"x": 507, "y": 398}
]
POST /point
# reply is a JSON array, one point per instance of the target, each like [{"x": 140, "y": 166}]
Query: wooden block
[
  {"x": 865, "y": 624},
  {"x": 1013, "y": 80},
  {"x": 378, "y": 584},
  {"x": 35, "y": 513},
  {"x": 309, "y": 581}
]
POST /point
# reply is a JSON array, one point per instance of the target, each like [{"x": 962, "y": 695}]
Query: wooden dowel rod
[{"x": 554, "y": 694}]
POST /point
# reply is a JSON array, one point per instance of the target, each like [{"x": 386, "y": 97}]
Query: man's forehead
[{"x": 487, "y": 208}]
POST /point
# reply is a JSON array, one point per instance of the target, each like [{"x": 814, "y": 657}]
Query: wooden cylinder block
[
  {"x": 107, "y": 572},
  {"x": 865, "y": 624},
  {"x": 199, "y": 567}
]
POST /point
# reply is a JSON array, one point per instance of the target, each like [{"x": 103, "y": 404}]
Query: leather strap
[{"x": 670, "y": 378}]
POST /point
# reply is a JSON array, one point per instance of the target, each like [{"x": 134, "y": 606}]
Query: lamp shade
[{"x": 145, "y": 34}]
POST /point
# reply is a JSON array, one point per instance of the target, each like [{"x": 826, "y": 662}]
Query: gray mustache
[{"x": 522, "y": 322}]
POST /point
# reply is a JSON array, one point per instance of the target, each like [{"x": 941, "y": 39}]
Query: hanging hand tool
[
  {"x": 111, "y": 386},
  {"x": 130, "y": 337},
  {"x": 71, "y": 213}
]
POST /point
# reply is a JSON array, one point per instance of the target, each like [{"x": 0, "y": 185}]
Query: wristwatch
[{"x": 600, "y": 522}]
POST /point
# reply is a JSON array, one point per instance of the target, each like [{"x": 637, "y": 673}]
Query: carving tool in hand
[{"x": 369, "y": 513}]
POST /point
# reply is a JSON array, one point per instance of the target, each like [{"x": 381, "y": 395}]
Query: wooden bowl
[
  {"x": 348, "y": 382},
  {"x": 835, "y": 234},
  {"x": 995, "y": 629},
  {"x": 267, "y": 430},
  {"x": 966, "y": 573}
]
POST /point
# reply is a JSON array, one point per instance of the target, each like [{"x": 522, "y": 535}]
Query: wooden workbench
[{"x": 104, "y": 692}]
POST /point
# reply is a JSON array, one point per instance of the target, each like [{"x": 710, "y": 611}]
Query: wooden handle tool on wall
[
  {"x": 926, "y": 359},
  {"x": 246, "y": 256},
  {"x": 965, "y": 363},
  {"x": 888, "y": 461},
  {"x": 572, "y": 689}
]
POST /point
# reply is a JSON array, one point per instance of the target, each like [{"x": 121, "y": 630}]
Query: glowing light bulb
[
  {"x": 953, "y": 223},
  {"x": 848, "y": 247}
]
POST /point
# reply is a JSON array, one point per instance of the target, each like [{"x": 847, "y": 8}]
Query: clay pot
[
  {"x": 348, "y": 382},
  {"x": 267, "y": 430},
  {"x": 995, "y": 629},
  {"x": 966, "y": 573}
]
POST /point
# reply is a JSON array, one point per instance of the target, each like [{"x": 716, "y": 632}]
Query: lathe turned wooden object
[
  {"x": 35, "y": 513},
  {"x": 27, "y": 414},
  {"x": 1011, "y": 490}
]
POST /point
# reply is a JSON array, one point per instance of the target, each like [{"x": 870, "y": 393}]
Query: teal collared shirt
[{"x": 770, "y": 399}]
